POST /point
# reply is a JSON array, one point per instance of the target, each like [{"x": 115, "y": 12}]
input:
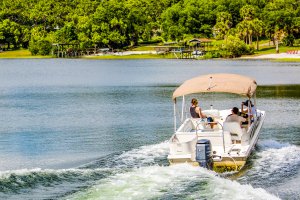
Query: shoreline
[
  {"x": 273, "y": 56},
  {"x": 153, "y": 55},
  {"x": 288, "y": 57}
]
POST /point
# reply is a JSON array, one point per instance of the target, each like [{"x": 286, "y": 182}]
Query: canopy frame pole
[
  {"x": 249, "y": 112},
  {"x": 182, "y": 108},
  {"x": 254, "y": 97},
  {"x": 174, "y": 108},
  {"x": 223, "y": 136}
]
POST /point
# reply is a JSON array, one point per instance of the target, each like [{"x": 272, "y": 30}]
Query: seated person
[
  {"x": 250, "y": 112},
  {"x": 195, "y": 111},
  {"x": 234, "y": 117}
]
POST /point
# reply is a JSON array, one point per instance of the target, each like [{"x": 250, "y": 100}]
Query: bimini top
[{"x": 229, "y": 83}]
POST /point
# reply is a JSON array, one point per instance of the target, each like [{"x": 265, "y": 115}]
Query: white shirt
[{"x": 235, "y": 118}]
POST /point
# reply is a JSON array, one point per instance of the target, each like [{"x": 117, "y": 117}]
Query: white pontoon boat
[{"x": 225, "y": 146}]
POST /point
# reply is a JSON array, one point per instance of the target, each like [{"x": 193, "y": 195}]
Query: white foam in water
[
  {"x": 276, "y": 159},
  {"x": 272, "y": 144},
  {"x": 145, "y": 154},
  {"x": 163, "y": 181},
  {"x": 24, "y": 172}
]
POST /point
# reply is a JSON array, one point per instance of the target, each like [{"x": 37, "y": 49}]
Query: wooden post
[{"x": 58, "y": 50}]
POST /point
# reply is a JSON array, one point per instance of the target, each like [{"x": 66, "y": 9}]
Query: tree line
[{"x": 36, "y": 24}]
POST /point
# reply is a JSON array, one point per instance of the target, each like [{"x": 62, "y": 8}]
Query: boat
[{"x": 219, "y": 145}]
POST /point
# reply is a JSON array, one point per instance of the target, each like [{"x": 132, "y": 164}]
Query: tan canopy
[{"x": 229, "y": 83}]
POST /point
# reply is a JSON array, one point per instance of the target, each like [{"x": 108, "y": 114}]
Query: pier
[
  {"x": 196, "y": 47},
  {"x": 73, "y": 50}
]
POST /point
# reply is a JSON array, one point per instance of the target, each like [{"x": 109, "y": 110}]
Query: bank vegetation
[{"x": 122, "y": 24}]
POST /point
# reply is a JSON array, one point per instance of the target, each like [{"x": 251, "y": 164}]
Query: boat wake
[
  {"x": 276, "y": 164},
  {"x": 142, "y": 156},
  {"x": 148, "y": 179},
  {"x": 145, "y": 155},
  {"x": 180, "y": 181},
  {"x": 16, "y": 182},
  {"x": 141, "y": 173}
]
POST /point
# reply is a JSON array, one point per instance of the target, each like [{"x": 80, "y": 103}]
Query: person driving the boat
[
  {"x": 250, "y": 112},
  {"x": 234, "y": 117}
]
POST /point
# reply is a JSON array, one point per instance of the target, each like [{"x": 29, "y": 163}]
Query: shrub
[
  {"x": 208, "y": 55},
  {"x": 45, "y": 47},
  {"x": 235, "y": 47},
  {"x": 33, "y": 48},
  {"x": 42, "y": 47},
  {"x": 212, "y": 54},
  {"x": 289, "y": 40}
]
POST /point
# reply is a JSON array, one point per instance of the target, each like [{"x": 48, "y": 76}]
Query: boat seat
[
  {"x": 202, "y": 125},
  {"x": 234, "y": 128},
  {"x": 212, "y": 113},
  {"x": 197, "y": 123}
]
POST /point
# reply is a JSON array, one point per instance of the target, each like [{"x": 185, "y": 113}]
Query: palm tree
[
  {"x": 278, "y": 36},
  {"x": 224, "y": 23},
  {"x": 243, "y": 29},
  {"x": 257, "y": 30}
]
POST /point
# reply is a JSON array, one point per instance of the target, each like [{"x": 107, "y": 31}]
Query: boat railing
[
  {"x": 209, "y": 123},
  {"x": 254, "y": 126}
]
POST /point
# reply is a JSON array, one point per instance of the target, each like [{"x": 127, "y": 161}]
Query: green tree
[
  {"x": 232, "y": 7},
  {"x": 39, "y": 43},
  {"x": 84, "y": 31},
  {"x": 282, "y": 16},
  {"x": 124, "y": 23},
  {"x": 248, "y": 12},
  {"x": 191, "y": 17},
  {"x": 110, "y": 24},
  {"x": 172, "y": 29},
  {"x": 257, "y": 26},
  {"x": 10, "y": 33},
  {"x": 245, "y": 27},
  {"x": 138, "y": 21},
  {"x": 224, "y": 23},
  {"x": 250, "y": 26},
  {"x": 67, "y": 34}
]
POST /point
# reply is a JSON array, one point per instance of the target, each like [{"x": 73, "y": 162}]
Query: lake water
[{"x": 97, "y": 129}]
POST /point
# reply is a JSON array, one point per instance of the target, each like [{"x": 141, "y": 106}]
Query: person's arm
[
  {"x": 246, "y": 109},
  {"x": 243, "y": 119},
  {"x": 198, "y": 109}
]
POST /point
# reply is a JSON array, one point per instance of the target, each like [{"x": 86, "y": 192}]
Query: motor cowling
[{"x": 204, "y": 153}]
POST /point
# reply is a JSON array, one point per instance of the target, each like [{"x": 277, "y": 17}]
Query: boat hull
[{"x": 218, "y": 166}]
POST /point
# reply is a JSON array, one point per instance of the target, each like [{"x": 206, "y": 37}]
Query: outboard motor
[{"x": 204, "y": 154}]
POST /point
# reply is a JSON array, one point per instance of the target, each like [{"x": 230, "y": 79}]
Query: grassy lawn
[
  {"x": 272, "y": 49},
  {"x": 20, "y": 54}
]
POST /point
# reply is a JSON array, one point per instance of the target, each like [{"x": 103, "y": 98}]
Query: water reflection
[{"x": 279, "y": 91}]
